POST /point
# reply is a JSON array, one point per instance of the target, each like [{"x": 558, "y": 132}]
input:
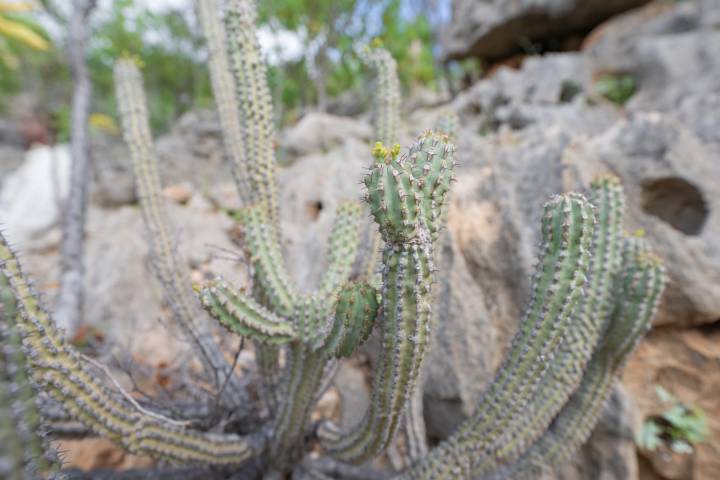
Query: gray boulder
[
  {"x": 673, "y": 193},
  {"x": 493, "y": 29},
  {"x": 320, "y": 132}
]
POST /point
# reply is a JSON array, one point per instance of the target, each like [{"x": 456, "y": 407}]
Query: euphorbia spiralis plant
[{"x": 593, "y": 295}]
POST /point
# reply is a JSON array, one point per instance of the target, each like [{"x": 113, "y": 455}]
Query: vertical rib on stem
[
  {"x": 256, "y": 111},
  {"x": 226, "y": 102}
]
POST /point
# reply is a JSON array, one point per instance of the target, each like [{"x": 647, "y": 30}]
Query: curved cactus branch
[
  {"x": 60, "y": 371},
  {"x": 641, "y": 285},
  {"x": 353, "y": 320},
  {"x": 592, "y": 314},
  {"x": 244, "y": 316},
  {"x": 557, "y": 285},
  {"x": 173, "y": 275}
]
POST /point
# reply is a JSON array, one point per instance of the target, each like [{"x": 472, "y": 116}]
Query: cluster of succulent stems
[{"x": 593, "y": 295}]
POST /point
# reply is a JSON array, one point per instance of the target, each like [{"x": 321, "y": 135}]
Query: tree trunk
[{"x": 70, "y": 299}]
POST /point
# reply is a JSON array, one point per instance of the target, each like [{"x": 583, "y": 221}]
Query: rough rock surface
[
  {"x": 673, "y": 193},
  {"x": 497, "y": 28},
  {"x": 320, "y": 132},
  {"x": 685, "y": 363},
  {"x": 610, "y": 450}
]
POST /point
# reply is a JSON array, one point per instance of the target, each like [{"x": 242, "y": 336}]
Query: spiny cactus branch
[
  {"x": 244, "y": 316},
  {"x": 226, "y": 102},
  {"x": 25, "y": 451},
  {"x": 566, "y": 369},
  {"x": 169, "y": 269},
  {"x": 256, "y": 110},
  {"x": 404, "y": 194},
  {"x": 641, "y": 285},
  {"x": 58, "y": 368},
  {"x": 567, "y": 227}
]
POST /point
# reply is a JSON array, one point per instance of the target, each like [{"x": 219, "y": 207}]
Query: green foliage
[
  {"x": 680, "y": 426},
  {"x": 618, "y": 88},
  {"x": 23, "y": 43},
  {"x": 175, "y": 75},
  {"x": 338, "y": 30}
]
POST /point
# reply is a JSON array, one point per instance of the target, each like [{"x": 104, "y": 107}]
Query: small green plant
[
  {"x": 680, "y": 427},
  {"x": 618, "y": 88}
]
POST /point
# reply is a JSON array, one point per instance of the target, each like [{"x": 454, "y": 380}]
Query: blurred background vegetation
[{"x": 312, "y": 46}]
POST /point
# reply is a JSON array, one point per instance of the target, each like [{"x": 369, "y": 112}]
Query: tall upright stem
[{"x": 69, "y": 310}]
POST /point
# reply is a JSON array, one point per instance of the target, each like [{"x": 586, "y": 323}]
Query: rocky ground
[{"x": 524, "y": 135}]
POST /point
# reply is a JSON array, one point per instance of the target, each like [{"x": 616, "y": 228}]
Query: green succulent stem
[
  {"x": 68, "y": 378},
  {"x": 226, "y": 101},
  {"x": 567, "y": 227},
  {"x": 25, "y": 450}
]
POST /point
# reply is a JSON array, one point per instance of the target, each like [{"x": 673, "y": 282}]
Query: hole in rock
[
  {"x": 676, "y": 202},
  {"x": 314, "y": 209},
  {"x": 711, "y": 329}
]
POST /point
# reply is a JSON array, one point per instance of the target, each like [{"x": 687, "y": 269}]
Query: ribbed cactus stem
[
  {"x": 244, "y": 316},
  {"x": 386, "y": 111},
  {"x": 301, "y": 382},
  {"x": 256, "y": 109},
  {"x": 226, "y": 102},
  {"x": 404, "y": 193},
  {"x": 413, "y": 422},
  {"x": 342, "y": 248},
  {"x": 273, "y": 283},
  {"x": 560, "y": 276},
  {"x": 61, "y": 372},
  {"x": 386, "y": 122},
  {"x": 640, "y": 287},
  {"x": 565, "y": 371},
  {"x": 25, "y": 451},
  {"x": 354, "y": 315},
  {"x": 169, "y": 269}
]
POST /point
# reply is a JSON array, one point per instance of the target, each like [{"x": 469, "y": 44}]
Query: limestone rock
[
  {"x": 673, "y": 193},
  {"x": 494, "y": 29},
  {"x": 685, "y": 363},
  {"x": 319, "y": 132}
]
